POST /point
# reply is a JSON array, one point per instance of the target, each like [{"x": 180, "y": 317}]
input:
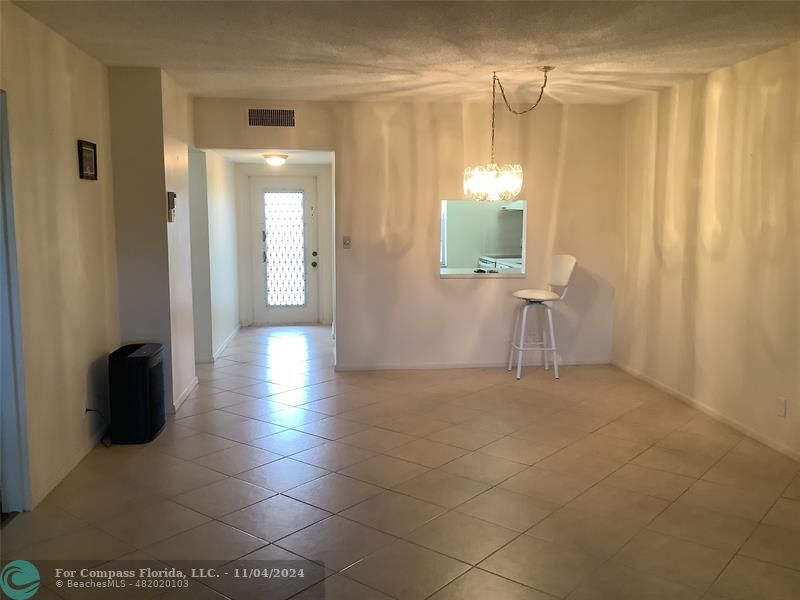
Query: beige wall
[
  {"x": 65, "y": 234},
  {"x": 394, "y": 163},
  {"x": 201, "y": 272},
  {"x": 151, "y": 131},
  {"x": 140, "y": 207},
  {"x": 709, "y": 299},
  {"x": 222, "y": 242},
  {"x": 178, "y": 136},
  {"x": 2, "y": 38}
]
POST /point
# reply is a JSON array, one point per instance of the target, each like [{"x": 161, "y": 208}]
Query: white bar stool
[{"x": 561, "y": 268}]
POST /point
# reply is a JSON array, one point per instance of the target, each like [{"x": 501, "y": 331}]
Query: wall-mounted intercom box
[{"x": 171, "y": 206}]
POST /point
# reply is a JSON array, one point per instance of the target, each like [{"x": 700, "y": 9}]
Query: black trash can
[{"x": 136, "y": 381}]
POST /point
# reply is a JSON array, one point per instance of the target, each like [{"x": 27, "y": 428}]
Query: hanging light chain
[
  {"x": 494, "y": 94},
  {"x": 496, "y": 82},
  {"x": 508, "y": 104}
]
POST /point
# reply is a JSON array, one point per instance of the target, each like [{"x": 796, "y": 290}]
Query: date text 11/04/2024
[
  {"x": 249, "y": 573},
  {"x": 195, "y": 573}
]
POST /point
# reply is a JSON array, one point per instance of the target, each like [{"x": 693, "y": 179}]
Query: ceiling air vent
[{"x": 270, "y": 117}]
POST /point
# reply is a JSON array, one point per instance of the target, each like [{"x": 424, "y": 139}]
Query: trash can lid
[{"x": 146, "y": 351}]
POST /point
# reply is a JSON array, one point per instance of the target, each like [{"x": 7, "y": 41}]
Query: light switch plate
[{"x": 346, "y": 242}]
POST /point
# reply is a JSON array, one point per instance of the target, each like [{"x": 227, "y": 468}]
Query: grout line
[
  {"x": 642, "y": 528},
  {"x": 672, "y": 503},
  {"x": 374, "y": 386},
  {"x": 750, "y": 535}
]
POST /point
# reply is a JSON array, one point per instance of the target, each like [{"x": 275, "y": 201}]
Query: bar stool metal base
[{"x": 539, "y": 346}]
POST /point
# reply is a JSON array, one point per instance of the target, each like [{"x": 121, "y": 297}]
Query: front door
[{"x": 285, "y": 288}]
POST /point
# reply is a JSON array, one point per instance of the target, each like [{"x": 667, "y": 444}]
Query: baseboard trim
[
  {"x": 712, "y": 412},
  {"x": 225, "y": 343},
  {"x": 184, "y": 395},
  {"x": 471, "y": 365}
]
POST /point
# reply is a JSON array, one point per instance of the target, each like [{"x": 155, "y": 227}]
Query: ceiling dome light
[
  {"x": 275, "y": 160},
  {"x": 493, "y": 182}
]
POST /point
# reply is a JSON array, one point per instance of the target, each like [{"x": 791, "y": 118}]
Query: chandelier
[{"x": 495, "y": 182}]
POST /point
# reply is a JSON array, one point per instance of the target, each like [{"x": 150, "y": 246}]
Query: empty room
[{"x": 369, "y": 300}]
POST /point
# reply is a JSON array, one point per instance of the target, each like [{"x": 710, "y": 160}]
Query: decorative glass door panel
[{"x": 284, "y": 249}]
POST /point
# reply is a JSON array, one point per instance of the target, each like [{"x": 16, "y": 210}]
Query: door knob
[
  {"x": 314, "y": 253},
  {"x": 314, "y": 264}
]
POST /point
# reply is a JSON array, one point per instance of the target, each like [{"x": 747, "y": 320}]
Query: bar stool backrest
[{"x": 561, "y": 268}]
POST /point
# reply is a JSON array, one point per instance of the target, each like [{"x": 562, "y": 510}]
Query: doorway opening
[
  {"x": 288, "y": 218},
  {"x": 284, "y": 236}
]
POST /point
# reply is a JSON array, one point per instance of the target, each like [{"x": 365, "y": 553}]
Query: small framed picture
[{"x": 87, "y": 159}]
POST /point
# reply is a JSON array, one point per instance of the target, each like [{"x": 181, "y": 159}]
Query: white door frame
[
  {"x": 324, "y": 174},
  {"x": 310, "y": 313},
  {"x": 15, "y": 483}
]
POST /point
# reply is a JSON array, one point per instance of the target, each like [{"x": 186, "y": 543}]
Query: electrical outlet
[{"x": 783, "y": 407}]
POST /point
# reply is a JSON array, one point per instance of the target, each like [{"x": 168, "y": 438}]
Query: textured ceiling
[{"x": 604, "y": 51}]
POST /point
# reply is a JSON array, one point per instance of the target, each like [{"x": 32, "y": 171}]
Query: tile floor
[{"x": 443, "y": 484}]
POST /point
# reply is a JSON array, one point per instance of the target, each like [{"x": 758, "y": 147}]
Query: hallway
[{"x": 445, "y": 484}]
